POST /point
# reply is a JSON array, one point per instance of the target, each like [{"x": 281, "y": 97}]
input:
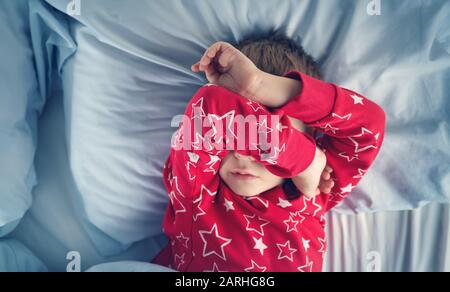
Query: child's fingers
[
  {"x": 311, "y": 195},
  {"x": 210, "y": 54},
  {"x": 195, "y": 67},
  {"x": 226, "y": 56},
  {"x": 326, "y": 175},
  {"x": 328, "y": 168},
  {"x": 325, "y": 185},
  {"x": 211, "y": 73},
  {"x": 326, "y": 190},
  {"x": 221, "y": 52}
]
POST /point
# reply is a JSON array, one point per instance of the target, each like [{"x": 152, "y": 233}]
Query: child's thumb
[{"x": 195, "y": 67}]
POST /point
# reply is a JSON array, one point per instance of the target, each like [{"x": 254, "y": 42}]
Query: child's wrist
[
  {"x": 252, "y": 91},
  {"x": 318, "y": 163},
  {"x": 271, "y": 90}
]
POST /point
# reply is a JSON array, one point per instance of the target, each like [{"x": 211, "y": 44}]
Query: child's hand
[
  {"x": 326, "y": 183},
  {"x": 316, "y": 178},
  {"x": 226, "y": 66}
]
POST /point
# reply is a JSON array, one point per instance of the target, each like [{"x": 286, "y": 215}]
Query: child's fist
[
  {"x": 326, "y": 182},
  {"x": 316, "y": 178},
  {"x": 226, "y": 66}
]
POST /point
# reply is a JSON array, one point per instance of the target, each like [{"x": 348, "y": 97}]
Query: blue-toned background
[{"x": 87, "y": 101}]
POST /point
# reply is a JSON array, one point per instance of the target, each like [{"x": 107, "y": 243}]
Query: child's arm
[
  {"x": 353, "y": 126},
  {"x": 197, "y": 152},
  {"x": 283, "y": 158}
]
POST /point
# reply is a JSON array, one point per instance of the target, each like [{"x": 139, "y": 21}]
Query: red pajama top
[{"x": 212, "y": 229}]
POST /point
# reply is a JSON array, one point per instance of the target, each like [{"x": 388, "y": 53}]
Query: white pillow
[
  {"x": 20, "y": 103},
  {"x": 131, "y": 77},
  {"x": 15, "y": 257}
]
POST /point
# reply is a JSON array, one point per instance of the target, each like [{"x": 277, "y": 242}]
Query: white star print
[
  {"x": 255, "y": 268},
  {"x": 226, "y": 241},
  {"x": 177, "y": 139},
  {"x": 183, "y": 240},
  {"x": 259, "y": 244},
  {"x": 180, "y": 260},
  {"x": 262, "y": 153},
  {"x": 219, "y": 119},
  {"x": 283, "y": 203},
  {"x": 199, "y": 212},
  {"x": 329, "y": 128},
  {"x": 361, "y": 173},
  {"x": 272, "y": 159},
  {"x": 346, "y": 117},
  {"x": 298, "y": 215},
  {"x": 215, "y": 269},
  {"x": 291, "y": 224},
  {"x": 283, "y": 254},
  {"x": 199, "y": 141},
  {"x": 190, "y": 167},
  {"x": 318, "y": 207},
  {"x": 305, "y": 204},
  {"x": 265, "y": 203},
  {"x": 212, "y": 162},
  {"x": 347, "y": 189},
  {"x": 349, "y": 159},
  {"x": 306, "y": 267},
  {"x": 263, "y": 128},
  {"x": 197, "y": 109},
  {"x": 357, "y": 149},
  {"x": 357, "y": 99},
  {"x": 280, "y": 127},
  {"x": 176, "y": 203},
  {"x": 193, "y": 157},
  {"x": 256, "y": 107},
  {"x": 177, "y": 188},
  {"x": 256, "y": 221},
  {"x": 203, "y": 189},
  {"x": 305, "y": 244},
  {"x": 228, "y": 205},
  {"x": 336, "y": 197},
  {"x": 322, "y": 245}
]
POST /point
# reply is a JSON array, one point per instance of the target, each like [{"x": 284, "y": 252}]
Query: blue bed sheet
[{"x": 113, "y": 76}]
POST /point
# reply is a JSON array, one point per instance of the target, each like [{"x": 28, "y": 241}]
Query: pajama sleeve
[
  {"x": 353, "y": 128},
  {"x": 218, "y": 120}
]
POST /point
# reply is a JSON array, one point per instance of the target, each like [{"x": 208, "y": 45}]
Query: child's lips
[{"x": 243, "y": 174}]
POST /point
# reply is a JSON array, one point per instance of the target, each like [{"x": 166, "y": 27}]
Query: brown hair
[{"x": 277, "y": 54}]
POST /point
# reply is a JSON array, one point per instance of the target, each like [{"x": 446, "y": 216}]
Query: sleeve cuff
[
  {"x": 305, "y": 146},
  {"x": 315, "y": 101}
]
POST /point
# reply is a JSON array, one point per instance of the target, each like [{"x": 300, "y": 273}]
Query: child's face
[{"x": 246, "y": 177}]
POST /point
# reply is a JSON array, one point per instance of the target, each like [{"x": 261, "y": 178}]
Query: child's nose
[{"x": 243, "y": 157}]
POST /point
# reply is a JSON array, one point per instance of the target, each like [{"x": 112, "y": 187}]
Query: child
[{"x": 230, "y": 209}]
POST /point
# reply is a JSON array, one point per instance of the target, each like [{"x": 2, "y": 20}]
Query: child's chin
[{"x": 246, "y": 193}]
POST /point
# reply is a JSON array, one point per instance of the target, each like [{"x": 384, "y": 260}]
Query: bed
[{"x": 89, "y": 98}]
